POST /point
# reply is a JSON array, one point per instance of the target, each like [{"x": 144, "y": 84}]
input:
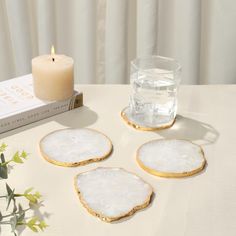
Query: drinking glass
[{"x": 153, "y": 102}]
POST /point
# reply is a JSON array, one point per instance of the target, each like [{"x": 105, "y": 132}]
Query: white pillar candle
[{"x": 53, "y": 76}]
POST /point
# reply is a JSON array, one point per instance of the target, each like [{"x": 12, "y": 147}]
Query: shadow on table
[
  {"x": 77, "y": 118},
  {"x": 37, "y": 213},
  {"x": 190, "y": 129}
]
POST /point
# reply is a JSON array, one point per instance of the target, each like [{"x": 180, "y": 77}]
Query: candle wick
[{"x": 53, "y": 59}]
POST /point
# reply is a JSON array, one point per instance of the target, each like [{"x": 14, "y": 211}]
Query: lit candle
[{"x": 53, "y": 76}]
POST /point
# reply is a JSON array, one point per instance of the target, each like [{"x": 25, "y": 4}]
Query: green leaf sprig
[
  {"x": 11, "y": 195},
  {"x": 18, "y": 157},
  {"x": 3, "y": 147},
  {"x": 17, "y": 217}
]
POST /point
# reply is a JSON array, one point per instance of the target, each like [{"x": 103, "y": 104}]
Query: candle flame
[{"x": 52, "y": 51}]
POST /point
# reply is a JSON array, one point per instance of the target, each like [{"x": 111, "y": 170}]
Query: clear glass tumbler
[{"x": 153, "y": 102}]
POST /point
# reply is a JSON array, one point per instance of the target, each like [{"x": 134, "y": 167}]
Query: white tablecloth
[{"x": 204, "y": 204}]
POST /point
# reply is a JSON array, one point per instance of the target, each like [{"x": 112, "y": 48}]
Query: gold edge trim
[
  {"x": 171, "y": 174},
  {"x": 106, "y": 218},
  {"x": 74, "y": 164},
  {"x": 143, "y": 128}
]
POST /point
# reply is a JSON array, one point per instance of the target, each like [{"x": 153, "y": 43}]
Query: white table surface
[{"x": 204, "y": 204}]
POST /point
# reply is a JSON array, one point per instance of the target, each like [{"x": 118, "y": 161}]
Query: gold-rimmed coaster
[
  {"x": 74, "y": 147},
  {"x": 112, "y": 193},
  {"x": 137, "y": 122},
  {"x": 171, "y": 158}
]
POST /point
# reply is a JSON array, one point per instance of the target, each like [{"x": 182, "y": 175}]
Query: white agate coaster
[
  {"x": 74, "y": 147},
  {"x": 142, "y": 122},
  {"x": 171, "y": 158},
  {"x": 112, "y": 193}
]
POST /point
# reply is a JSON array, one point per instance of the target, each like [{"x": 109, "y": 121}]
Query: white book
[{"x": 19, "y": 106}]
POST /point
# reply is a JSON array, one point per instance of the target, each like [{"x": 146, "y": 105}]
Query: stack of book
[{"x": 19, "y": 106}]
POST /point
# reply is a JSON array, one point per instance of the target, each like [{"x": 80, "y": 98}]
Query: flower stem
[
  {"x": 18, "y": 195},
  {"x": 7, "y": 215},
  {"x": 5, "y": 223},
  {"x": 21, "y": 223},
  {"x": 5, "y": 163},
  {"x": 16, "y": 213}
]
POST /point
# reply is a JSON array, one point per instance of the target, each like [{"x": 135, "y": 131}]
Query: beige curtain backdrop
[{"x": 104, "y": 35}]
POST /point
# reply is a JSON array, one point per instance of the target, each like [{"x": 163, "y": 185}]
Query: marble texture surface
[
  {"x": 171, "y": 156},
  {"x": 112, "y": 193},
  {"x": 75, "y": 146}
]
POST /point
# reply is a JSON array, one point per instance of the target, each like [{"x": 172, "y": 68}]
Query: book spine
[{"x": 40, "y": 113}]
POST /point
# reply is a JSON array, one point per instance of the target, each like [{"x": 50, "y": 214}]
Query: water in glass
[{"x": 154, "y": 101}]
